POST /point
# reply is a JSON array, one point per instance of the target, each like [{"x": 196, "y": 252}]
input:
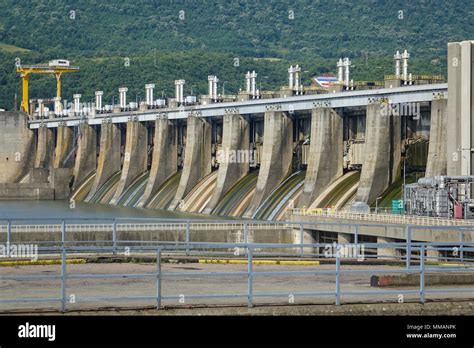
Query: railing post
[
  {"x": 9, "y": 237},
  {"x": 408, "y": 247},
  {"x": 301, "y": 239},
  {"x": 461, "y": 247},
  {"x": 158, "y": 278},
  {"x": 114, "y": 236},
  {"x": 63, "y": 278},
  {"x": 338, "y": 280},
  {"x": 356, "y": 235},
  {"x": 187, "y": 237},
  {"x": 246, "y": 233},
  {"x": 250, "y": 277},
  {"x": 422, "y": 274}
]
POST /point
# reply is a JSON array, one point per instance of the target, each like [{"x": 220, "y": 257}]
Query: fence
[{"x": 159, "y": 277}]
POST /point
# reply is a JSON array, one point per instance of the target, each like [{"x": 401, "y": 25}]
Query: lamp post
[{"x": 376, "y": 204}]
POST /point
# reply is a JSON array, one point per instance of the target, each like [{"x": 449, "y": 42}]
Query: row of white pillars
[
  {"x": 212, "y": 79},
  {"x": 294, "y": 77},
  {"x": 77, "y": 102},
  {"x": 179, "y": 85}
]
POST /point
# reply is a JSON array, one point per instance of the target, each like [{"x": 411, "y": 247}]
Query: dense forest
[{"x": 164, "y": 40}]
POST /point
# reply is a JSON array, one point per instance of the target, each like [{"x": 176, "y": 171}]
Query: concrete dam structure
[{"x": 253, "y": 155}]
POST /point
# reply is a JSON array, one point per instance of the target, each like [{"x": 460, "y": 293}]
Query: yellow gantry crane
[{"x": 56, "y": 67}]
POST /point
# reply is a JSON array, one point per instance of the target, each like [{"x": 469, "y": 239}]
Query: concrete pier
[
  {"x": 86, "y": 156},
  {"x": 460, "y": 114},
  {"x": 276, "y": 159},
  {"x": 325, "y": 162},
  {"x": 382, "y": 153},
  {"x": 234, "y": 158},
  {"x": 386, "y": 253},
  {"x": 165, "y": 157},
  {"x": 135, "y": 157},
  {"x": 64, "y": 145},
  {"x": 17, "y": 146},
  {"x": 109, "y": 155},
  {"x": 436, "y": 162},
  {"x": 197, "y": 158},
  {"x": 45, "y": 148}
]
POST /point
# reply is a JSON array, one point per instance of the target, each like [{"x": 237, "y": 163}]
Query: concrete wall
[
  {"x": 325, "y": 160},
  {"x": 86, "y": 155},
  {"x": 276, "y": 159},
  {"x": 382, "y": 153},
  {"x": 135, "y": 157},
  {"x": 197, "y": 159},
  {"x": 17, "y": 146},
  {"x": 165, "y": 157},
  {"x": 109, "y": 155},
  {"x": 64, "y": 145},
  {"x": 460, "y": 115},
  {"x": 44, "y": 148},
  {"x": 436, "y": 163},
  {"x": 235, "y": 139}
]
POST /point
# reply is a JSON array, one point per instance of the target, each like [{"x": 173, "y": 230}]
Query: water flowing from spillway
[
  {"x": 279, "y": 199},
  {"x": 339, "y": 193},
  {"x": 105, "y": 192},
  {"x": 134, "y": 191},
  {"x": 197, "y": 199},
  {"x": 165, "y": 193},
  {"x": 237, "y": 199},
  {"x": 83, "y": 189}
]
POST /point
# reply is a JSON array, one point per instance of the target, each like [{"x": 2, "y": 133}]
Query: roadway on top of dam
[{"x": 398, "y": 95}]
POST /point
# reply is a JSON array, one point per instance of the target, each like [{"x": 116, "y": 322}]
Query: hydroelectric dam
[{"x": 260, "y": 155}]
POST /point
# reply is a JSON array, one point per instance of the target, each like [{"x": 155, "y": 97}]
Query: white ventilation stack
[
  {"x": 123, "y": 96},
  {"x": 149, "y": 93},
  {"x": 347, "y": 65},
  {"x": 40, "y": 108},
  {"x": 290, "y": 76},
  {"x": 214, "y": 87},
  {"x": 179, "y": 90},
  {"x": 340, "y": 71},
  {"x": 57, "y": 106},
  {"x": 405, "y": 57},
  {"x": 297, "y": 77},
  {"x": 397, "y": 56},
  {"x": 253, "y": 77},
  {"x": 210, "y": 80},
  {"x": 77, "y": 102},
  {"x": 247, "y": 80},
  {"x": 98, "y": 100}
]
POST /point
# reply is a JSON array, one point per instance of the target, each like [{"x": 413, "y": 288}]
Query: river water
[{"x": 61, "y": 210}]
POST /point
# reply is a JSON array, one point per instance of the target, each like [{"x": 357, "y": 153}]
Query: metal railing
[
  {"x": 421, "y": 269},
  {"x": 382, "y": 218}
]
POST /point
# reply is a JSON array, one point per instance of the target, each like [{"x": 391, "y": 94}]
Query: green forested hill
[{"x": 170, "y": 39}]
